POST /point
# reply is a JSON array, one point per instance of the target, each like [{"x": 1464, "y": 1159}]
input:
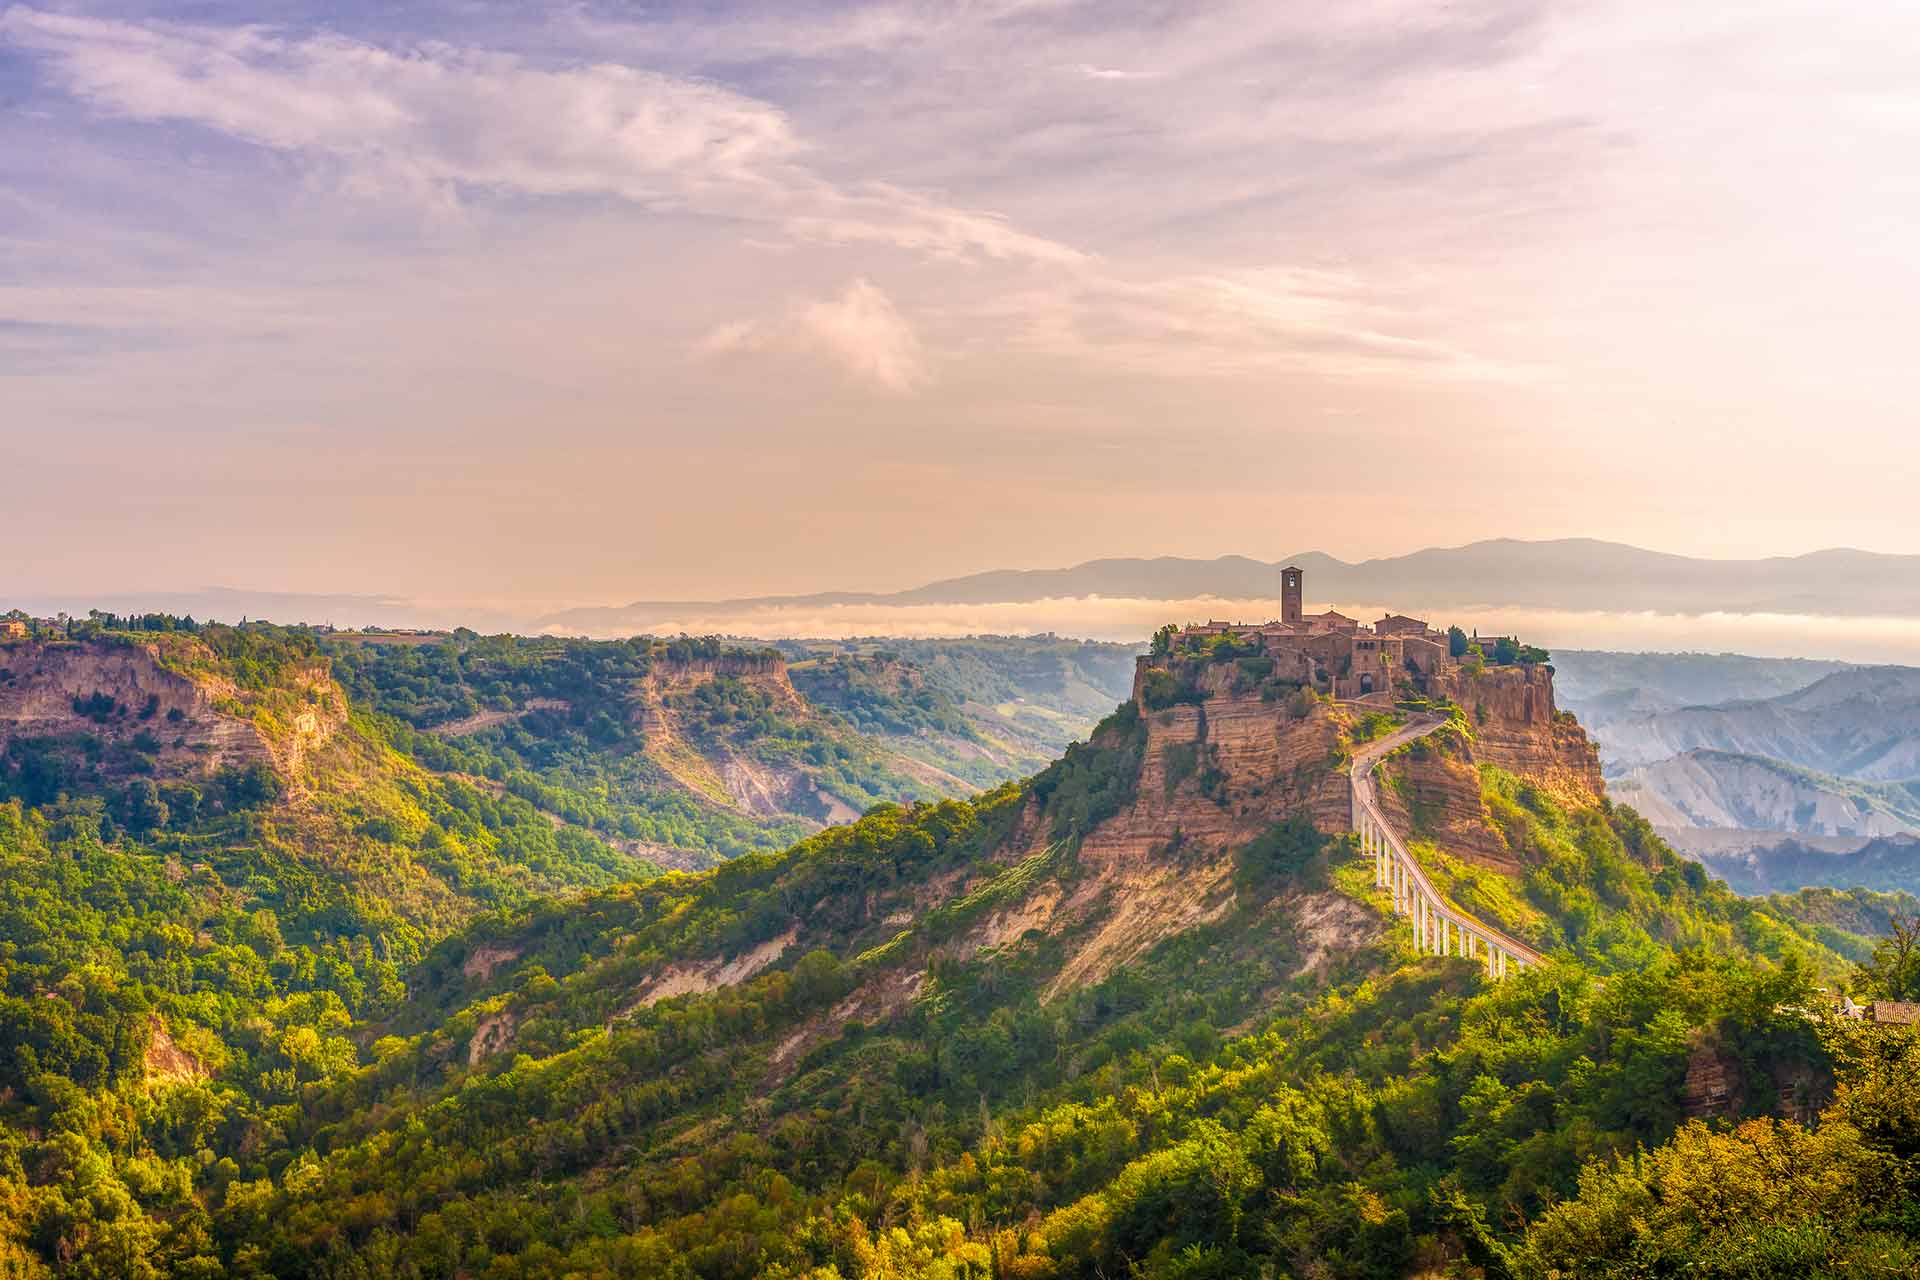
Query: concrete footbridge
[{"x": 1439, "y": 927}]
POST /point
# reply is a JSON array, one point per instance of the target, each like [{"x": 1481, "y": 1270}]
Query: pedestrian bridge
[{"x": 1439, "y": 927}]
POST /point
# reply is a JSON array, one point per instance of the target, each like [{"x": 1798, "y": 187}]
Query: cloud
[
  {"x": 1133, "y": 619},
  {"x": 861, "y": 331},
  {"x": 1092, "y": 72},
  {"x": 1237, "y": 324},
  {"x": 435, "y": 124},
  {"x": 453, "y": 115},
  {"x": 448, "y": 119},
  {"x": 867, "y": 334}
]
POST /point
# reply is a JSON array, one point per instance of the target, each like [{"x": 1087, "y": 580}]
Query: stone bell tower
[{"x": 1290, "y": 594}]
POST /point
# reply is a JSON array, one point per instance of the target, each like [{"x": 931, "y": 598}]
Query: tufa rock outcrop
[{"x": 172, "y": 707}]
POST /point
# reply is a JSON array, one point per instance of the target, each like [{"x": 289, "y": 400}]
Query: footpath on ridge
[{"x": 1439, "y": 927}]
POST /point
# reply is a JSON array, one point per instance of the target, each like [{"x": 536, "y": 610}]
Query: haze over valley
[{"x": 1575, "y": 593}]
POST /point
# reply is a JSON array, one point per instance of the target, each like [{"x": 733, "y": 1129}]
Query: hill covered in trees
[
  {"x": 1141, "y": 1011},
  {"x": 687, "y": 751}
]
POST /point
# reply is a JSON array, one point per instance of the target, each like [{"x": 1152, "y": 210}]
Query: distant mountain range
[
  {"x": 1573, "y": 574},
  {"x": 1569, "y": 573},
  {"x": 292, "y": 608}
]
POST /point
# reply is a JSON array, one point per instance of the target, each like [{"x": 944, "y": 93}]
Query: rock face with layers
[
  {"x": 665, "y": 706},
  {"x": 1517, "y": 727},
  {"x": 1222, "y": 768},
  {"x": 122, "y": 694},
  {"x": 1433, "y": 787},
  {"x": 1213, "y": 777}
]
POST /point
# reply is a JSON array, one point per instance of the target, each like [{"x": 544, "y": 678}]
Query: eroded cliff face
[
  {"x": 1433, "y": 787},
  {"x": 1214, "y": 776},
  {"x": 1517, "y": 727},
  {"x": 121, "y": 694},
  {"x": 669, "y": 707}
]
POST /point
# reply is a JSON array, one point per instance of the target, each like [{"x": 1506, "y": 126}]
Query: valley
[
  {"x": 376, "y": 950},
  {"x": 1738, "y": 762},
  {"x": 690, "y": 751}
]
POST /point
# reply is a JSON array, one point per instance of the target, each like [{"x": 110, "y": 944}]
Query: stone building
[{"x": 1332, "y": 653}]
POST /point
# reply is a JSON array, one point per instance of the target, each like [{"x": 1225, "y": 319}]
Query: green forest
[{"x": 381, "y": 1014}]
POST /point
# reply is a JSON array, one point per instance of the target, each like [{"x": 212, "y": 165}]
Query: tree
[
  {"x": 1456, "y": 643},
  {"x": 1893, "y": 973},
  {"x": 146, "y": 811}
]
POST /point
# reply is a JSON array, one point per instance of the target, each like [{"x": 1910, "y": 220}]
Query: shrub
[{"x": 1290, "y": 851}]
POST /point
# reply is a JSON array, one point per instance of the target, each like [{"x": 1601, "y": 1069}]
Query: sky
[{"x": 549, "y": 304}]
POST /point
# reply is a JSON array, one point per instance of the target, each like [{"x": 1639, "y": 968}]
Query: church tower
[{"x": 1290, "y": 594}]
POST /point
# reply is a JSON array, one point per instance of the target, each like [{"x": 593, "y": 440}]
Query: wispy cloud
[
  {"x": 450, "y": 119},
  {"x": 1243, "y": 325},
  {"x": 1092, "y": 72}
]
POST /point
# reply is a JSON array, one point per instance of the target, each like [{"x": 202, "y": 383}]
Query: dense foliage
[
  {"x": 612, "y": 737},
  {"x": 351, "y": 1030}
]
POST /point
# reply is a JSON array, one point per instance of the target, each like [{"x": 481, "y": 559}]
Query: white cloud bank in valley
[{"x": 1129, "y": 619}]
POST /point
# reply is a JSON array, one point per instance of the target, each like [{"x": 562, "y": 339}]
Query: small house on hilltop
[{"x": 14, "y": 629}]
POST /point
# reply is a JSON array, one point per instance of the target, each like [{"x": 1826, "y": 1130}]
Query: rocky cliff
[
  {"x": 162, "y": 706},
  {"x": 1517, "y": 727},
  {"x": 698, "y": 718},
  {"x": 1214, "y": 775},
  {"x": 1433, "y": 786}
]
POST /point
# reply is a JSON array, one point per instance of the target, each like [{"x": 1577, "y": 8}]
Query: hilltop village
[{"x": 1339, "y": 656}]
